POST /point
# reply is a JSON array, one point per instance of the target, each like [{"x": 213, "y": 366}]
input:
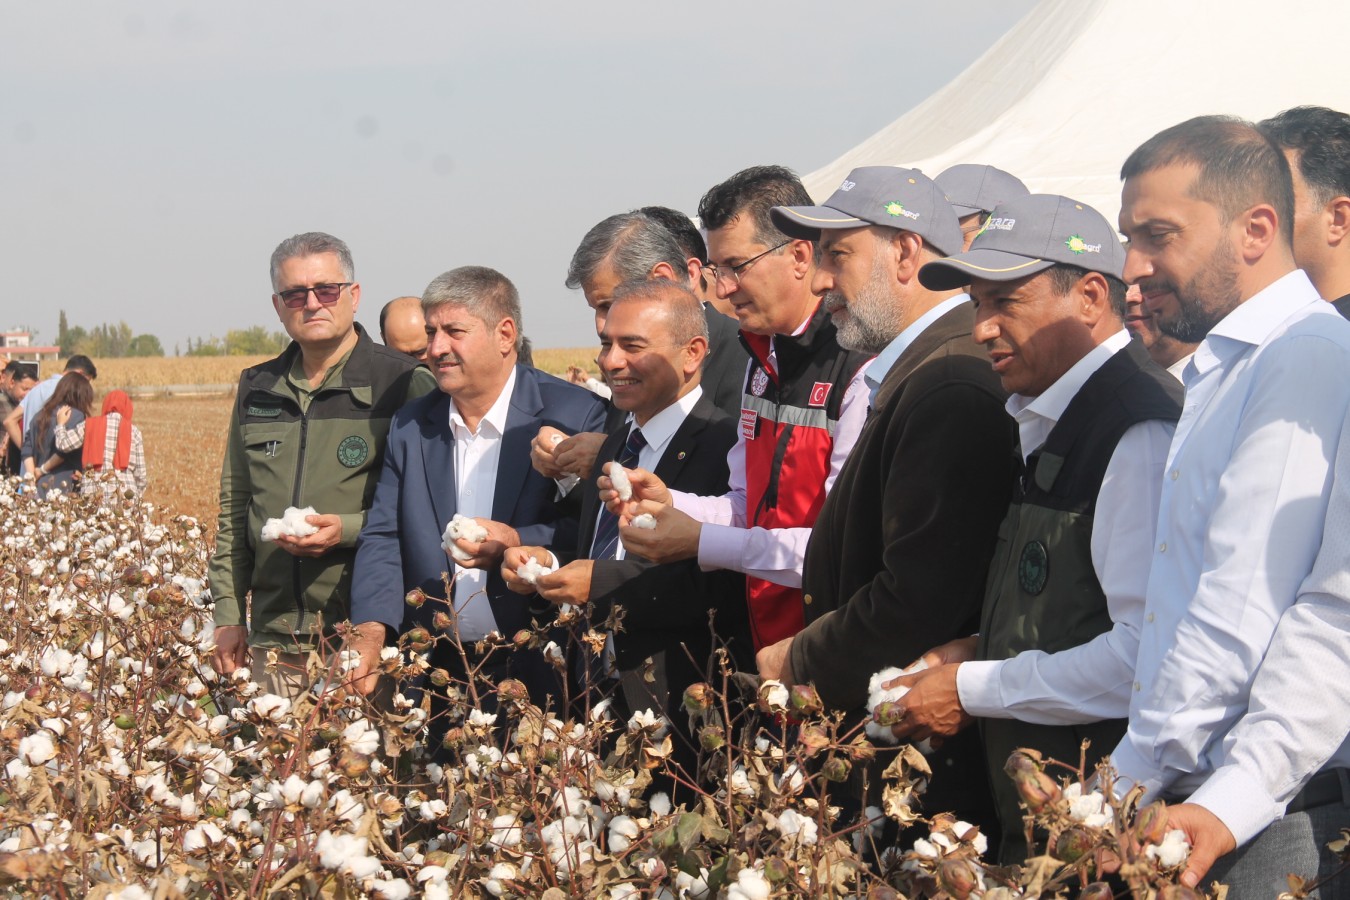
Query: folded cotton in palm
[
  {"x": 618, "y": 476},
  {"x": 646, "y": 520},
  {"x": 462, "y": 528},
  {"x": 531, "y": 570},
  {"x": 292, "y": 524}
]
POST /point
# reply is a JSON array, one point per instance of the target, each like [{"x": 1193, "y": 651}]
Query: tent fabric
[{"x": 1064, "y": 96}]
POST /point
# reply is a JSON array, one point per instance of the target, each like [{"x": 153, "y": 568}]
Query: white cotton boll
[
  {"x": 645, "y": 521},
  {"x": 496, "y": 875},
  {"x": 506, "y": 831},
  {"x": 361, "y": 737},
  {"x": 1172, "y": 852},
  {"x": 483, "y": 719},
  {"x": 292, "y": 524},
  {"x": 660, "y": 804},
  {"x": 623, "y": 830},
  {"x": 646, "y": 719},
  {"x": 739, "y": 784},
  {"x": 431, "y": 810},
  {"x": 878, "y": 694},
  {"x": 618, "y": 476},
  {"x": 531, "y": 570},
  {"x": 774, "y": 694},
  {"x": 433, "y": 874},
  {"x": 312, "y": 795},
  {"x": 926, "y": 848},
  {"x": 392, "y": 889},
  {"x": 1084, "y": 806},
  {"x": 37, "y": 748},
  {"x": 462, "y": 528},
  {"x": 552, "y": 652},
  {"x": 750, "y": 885},
  {"x": 695, "y": 888},
  {"x": 270, "y": 707}
]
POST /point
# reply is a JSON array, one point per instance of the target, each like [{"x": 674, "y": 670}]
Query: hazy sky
[{"x": 154, "y": 153}]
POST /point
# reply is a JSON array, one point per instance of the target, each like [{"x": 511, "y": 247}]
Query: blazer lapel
[
  {"x": 522, "y": 424},
  {"x": 684, "y": 442},
  {"x": 438, "y": 460}
]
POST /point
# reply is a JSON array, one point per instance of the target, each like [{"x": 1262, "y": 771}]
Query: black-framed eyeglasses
[
  {"x": 326, "y": 294},
  {"x": 733, "y": 273}
]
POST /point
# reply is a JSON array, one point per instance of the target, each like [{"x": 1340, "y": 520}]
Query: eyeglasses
[
  {"x": 326, "y": 294},
  {"x": 733, "y": 273}
]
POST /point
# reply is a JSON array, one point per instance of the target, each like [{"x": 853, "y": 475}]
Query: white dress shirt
[
  {"x": 1092, "y": 681},
  {"x": 476, "y": 457},
  {"x": 1244, "y": 501},
  {"x": 773, "y": 554},
  {"x": 1299, "y": 713}
]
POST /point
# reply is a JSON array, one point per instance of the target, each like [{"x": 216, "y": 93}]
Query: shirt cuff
[
  {"x": 352, "y": 523},
  {"x": 722, "y": 547},
  {"x": 980, "y": 690},
  {"x": 1240, "y": 801},
  {"x": 566, "y": 484},
  {"x": 1131, "y": 768}
]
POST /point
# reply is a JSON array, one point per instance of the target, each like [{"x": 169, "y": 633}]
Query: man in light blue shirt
[{"x": 1207, "y": 209}]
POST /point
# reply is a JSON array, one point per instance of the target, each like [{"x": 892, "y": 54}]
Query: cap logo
[
  {"x": 897, "y": 210},
  {"x": 1079, "y": 246},
  {"x": 1000, "y": 224},
  {"x": 848, "y": 185}
]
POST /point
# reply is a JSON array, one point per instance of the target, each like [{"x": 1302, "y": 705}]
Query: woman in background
[
  {"x": 41, "y": 459},
  {"x": 111, "y": 444}
]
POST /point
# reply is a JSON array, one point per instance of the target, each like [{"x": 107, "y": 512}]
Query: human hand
[
  {"x": 775, "y": 662},
  {"x": 674, "y": 538},
  {"x": 577, "y": 455},
  {"x": 317, "y": 544},
  {"x": 570, "y": 584},
  {"x": 1208, "y": 836},
  {"x": 957, "y": 651},
  {"x": 231, "y": 648},
  {"x": 367, "y": 639},
  {"x": 932, "y": 708},
  {"x": 514, "y": 558},
  {"x": 488, "y": 553},
  {"x": 543, "y": 452},
  {"x": 62, "y": 414},
  {"x": 646, "y": 486}
]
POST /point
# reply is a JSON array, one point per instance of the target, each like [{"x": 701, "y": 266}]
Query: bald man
[{"x": 402, "y": 328}]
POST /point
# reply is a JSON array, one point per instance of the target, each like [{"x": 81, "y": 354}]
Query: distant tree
[
  {"x": 206, "y": 347},
  {"x": 255, "y": 341},
  {"x": 145, "y": 345},
  {"x": 62, "y": 336}
]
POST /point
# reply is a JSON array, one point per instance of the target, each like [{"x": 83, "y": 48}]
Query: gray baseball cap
[
  {"x": 973, "y": 188},
  {"x": 1027, "y": 235},
  {"x": 878, "y": 195}
]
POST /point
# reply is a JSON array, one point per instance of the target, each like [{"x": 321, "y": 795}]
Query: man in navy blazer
[{"x": 464, "y": 450}]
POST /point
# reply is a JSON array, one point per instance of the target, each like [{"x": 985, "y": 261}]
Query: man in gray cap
[
  {"x": 898, "y": 556},
  {"x": 1053, "y": 663},
  {"x": 974, "y": 191}
]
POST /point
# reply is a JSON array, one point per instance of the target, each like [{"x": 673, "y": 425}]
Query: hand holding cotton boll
[
  {"x": 543, "y": 452},
  {"x": 932, "y": 707},
  {"x": 665, "y": 535},
  {"x": 304, "y": 532},
  {"x": 522, "y": 567},
  {"x": 480, "y": 542},
  {"x": 618, "y": 478},
  {"x": 462, "y": 528},
  {"x": 883, "y": 695},
  {"x": 644, "y": 486},
  {"x": 530, "y": 572},
  {"x": 645, "y": 521}
]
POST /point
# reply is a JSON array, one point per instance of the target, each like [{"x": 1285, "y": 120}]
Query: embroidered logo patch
[
  {"x": 353, "y": 451},
  {"x": 847, "y": 186},
  {"x": 819, "y": 392},
  {"x": 267, "y": 412},
  {"x": 1078, "y": 246},
  {"x": 759, "y": 383},
  {"x": 1033, "y": 568},
  {"x": 898, "y": 211}
]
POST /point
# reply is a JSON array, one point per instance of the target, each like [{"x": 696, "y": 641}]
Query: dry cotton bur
[{"x": 122, "y": 775}]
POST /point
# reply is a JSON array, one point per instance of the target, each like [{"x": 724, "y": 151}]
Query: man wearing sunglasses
[{"x": 308, "y": 429}]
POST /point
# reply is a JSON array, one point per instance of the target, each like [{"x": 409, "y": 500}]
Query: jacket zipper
[{"x": 295, "y": 501}]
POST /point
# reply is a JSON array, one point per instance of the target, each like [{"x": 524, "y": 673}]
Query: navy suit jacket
[{"x": 400, "y": 546}]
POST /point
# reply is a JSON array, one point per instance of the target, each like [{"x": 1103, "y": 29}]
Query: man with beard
[
  {"x": 1163, "y": 349},
  {"x": 897, "y": 560},
  {"x": 1316, "y": 141},
  {"x": 1238, "y": 705}
]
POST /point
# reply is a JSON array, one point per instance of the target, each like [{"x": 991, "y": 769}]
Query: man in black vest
[
  {"x": 652, "y": 349},
  {"x": 1053, "y": 663}
]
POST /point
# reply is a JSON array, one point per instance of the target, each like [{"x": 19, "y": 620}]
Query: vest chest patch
[
  {"x": 352, "y": 451},
  {"x": 1033, "y": 568},
  {"x": 266, "y": 411},
  {"x": 759, "y": 382},
  {"x": 748, "y": 419}
]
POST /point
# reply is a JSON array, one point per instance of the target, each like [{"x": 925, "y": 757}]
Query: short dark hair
[
  {"x": 12, "y": 366},
  {"x": 682, "y": 228},
  {"x": 1239, "y": 166},
  {"x": 1064, "y": 276},
  {"x": 683, "y": 310},
  {"x": 1321, "y": 138},
  {"x": 486, "y": 294},
  {"x": 752, "y": 193},
  {"x": 633, "y": 243},
  {"x": 81, "y": 363},
  {"x": 23, "y": 372}
]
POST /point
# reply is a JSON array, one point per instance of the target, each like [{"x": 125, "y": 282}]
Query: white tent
[{"x": 1063, "y": 97}]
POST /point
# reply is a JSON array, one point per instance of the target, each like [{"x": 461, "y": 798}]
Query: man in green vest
[{"x": 1053, "y": 663}]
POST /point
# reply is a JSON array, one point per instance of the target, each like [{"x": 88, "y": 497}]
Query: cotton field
[{"x": 130, "y": 770}]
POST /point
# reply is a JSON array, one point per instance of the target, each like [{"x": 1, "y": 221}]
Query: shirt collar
[
  {"x": 1052, "y": 402},
  {"x": 661, "y": 427},
  {"x": 496, "y": 415},
  {"x": 876, "y": 372},
  {"x": 1252, "y": 322}
]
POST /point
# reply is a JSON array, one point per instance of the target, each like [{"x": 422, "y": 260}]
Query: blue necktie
[{"x": 606, "y": 543}]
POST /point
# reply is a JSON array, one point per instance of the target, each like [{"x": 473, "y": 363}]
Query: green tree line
[{"x": 110, "y": 341}]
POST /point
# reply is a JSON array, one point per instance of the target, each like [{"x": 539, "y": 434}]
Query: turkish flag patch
[{"x": 819, "y": 392}]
